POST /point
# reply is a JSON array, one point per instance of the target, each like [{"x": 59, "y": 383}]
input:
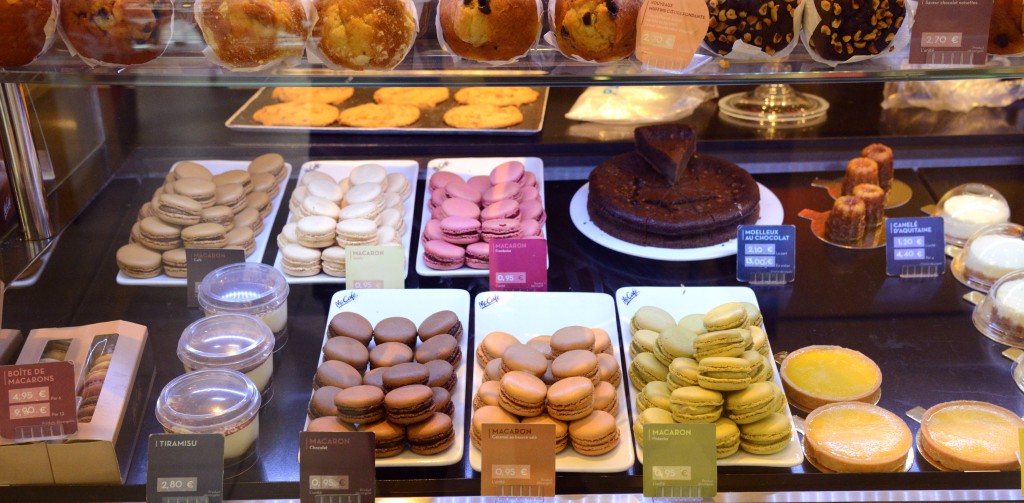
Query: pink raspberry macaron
[
  {"x": 478, "y": 255},
  {"x": 508, "y": 172},
  {"x": 506, "y": 208},
  {"x": 529, "y": 228},
  {"x": 432, "y": 231},
  {"x": 441, "y": 178},
  {"x": 461, "y": 230},
  {"x": 456, "y": 207},
  {"x": 529, "y": 193},
  {"x": 501, "y": 228},
  {"x": 443, "y": 256},
  {"x": 462, "y": 190},
  {"x": 500, "y": 192},
  {"x": 480, "y": 182},
  {"x": 436, "y": 198},
  {"x": 532, "y": 209},
  {"x": 529, "y": 180}
]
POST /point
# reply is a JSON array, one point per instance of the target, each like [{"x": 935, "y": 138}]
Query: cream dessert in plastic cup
[
  {"x": 229, "y": 341},
  {"x": 213, "y": 401},
  {"x": 967, "y": 208},
  {"x": 248, "y": 288}
]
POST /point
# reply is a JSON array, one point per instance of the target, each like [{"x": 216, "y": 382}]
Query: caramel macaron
[
  {"x": 561, "y": 429},
  {"x": 571, "y": 338},
  {"x": 522, "y": 394},
  {"x": 576, "y": 362},
  {"x": 489, "y": 414},
  {"x": 595, "y": 434},
  {"x": 486, "y": 394},
  {"x": 525, "y": 358},
  {"x": 571, "y": 398},
  {"x": 493, "y": 346}
]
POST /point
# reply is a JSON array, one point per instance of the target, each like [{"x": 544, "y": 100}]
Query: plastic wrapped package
[
  {"x": 639, "y": 104},
  {"x": 254, "y": 35},
  {"x": 593, "y": 31},
  {"x": 849, "y": 31},
  {"x": 363, "y": 34},
  {"x": 27, "y": 29},
  {"x": 953, "y": 95},
  {"x": 753, "y": 29},
  {"x": 496, "y": 32},
  {"x": 116, "y": 33}
]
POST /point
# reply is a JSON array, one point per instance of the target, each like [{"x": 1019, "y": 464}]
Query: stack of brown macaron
[
  {"x": 92, "y": 385},
  {"x": 197, "y": 209},
  {"x": 568, "y": 379},
  {"x": 405, "y": 397}
]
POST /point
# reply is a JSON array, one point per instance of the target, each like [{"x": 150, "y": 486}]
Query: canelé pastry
[
  {"x": 848, "y": 221},
  {"x": 849, "y": 28},
  {"x": 817, "y": 375},
  {"x": 994, "y": 252},
  {"x": 596, "y": 30},
  {"x": 874, "y": 203},
  {"x": 968, "y": 435},
  {"x": 856, "y": 437},
  {"x": 253, "y": 33},
  {"x": 1006, "y": 30},
  {"x": 882, "y": 155},
  {"x": 26, "y": 28},
  {"x": 117, "y": 32},
  {"x": 364, "y": 34},
  {"x": 765, "y": 24},
  {"x": 489, "y": 30},
  {"x": 858, "y": 171},
  {"x": 1008, "y": 310}
]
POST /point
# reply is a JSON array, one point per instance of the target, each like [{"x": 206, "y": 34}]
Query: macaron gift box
[{"x": 113, "y": 376}]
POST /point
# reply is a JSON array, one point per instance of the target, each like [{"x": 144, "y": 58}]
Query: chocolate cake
[
  {"x": 668, "y": 148},
  {"x": 633, "y": 202}
]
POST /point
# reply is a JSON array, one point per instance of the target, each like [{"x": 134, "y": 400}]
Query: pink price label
[
  {"x": 37, "y": 401},
  {"x": 519, "y": 265},
  {"x": 30, "y": 411},
  {"x": 40, "y": 394},
  {"x": 670, "y": 31}
]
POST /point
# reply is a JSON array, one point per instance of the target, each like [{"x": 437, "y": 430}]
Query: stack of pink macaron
[{"x": 467, "y": 214}]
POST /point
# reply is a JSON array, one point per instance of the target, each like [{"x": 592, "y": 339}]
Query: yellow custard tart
[
  {"x": 856, "y": 437},
  {"x": 967, "y": 435},
  {"x": 817, "y": 375}
]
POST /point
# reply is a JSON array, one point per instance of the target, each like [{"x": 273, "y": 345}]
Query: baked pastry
[
  {"x": 296, "y": 113},
  {"x": 331, "y": 95},
  {"x": 856, "y": 437},
  {"x": 970, "y": 436},
  {"x": 364, "y": 34},
  {"x": 668, "y": 148},
  {"x": 489, "y": 30},
  {"x": 850, "y": 28},
  {"x": 419, "y": 97},
  {"x": 817, "y": 375},
  {"x": 874, "y": 203},
  {"x": 482, "y": 117},
  {"x": 497, "y": 96},
  {"x": 26, "y": 30},
  {"x": 595, "y": 30},
  {"x": 847, "y": 223},
  {"x": 882, "y": 155},
  {"x": 117, "y": 32},
  {"x": 765, "y": 24},
  {"x": 372, "y": 115},
  {"x": 253, "y": 33},
  {"x": 1006, "y": 30},
  {"x": 858, "y": 171}
]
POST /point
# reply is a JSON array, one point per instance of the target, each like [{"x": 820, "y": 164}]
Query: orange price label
[{"x": 668, "y": 32}]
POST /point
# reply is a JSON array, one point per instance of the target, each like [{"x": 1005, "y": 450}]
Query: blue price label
[
  {"x": 766, "y": 253},
  {"x": 914, "y": 247}
]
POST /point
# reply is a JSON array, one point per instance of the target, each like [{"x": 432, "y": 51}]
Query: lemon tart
[
  {"x": 856, "y": 437},
  {"x": 819, "y": 375},
  {"x": 967, "y": 435}
]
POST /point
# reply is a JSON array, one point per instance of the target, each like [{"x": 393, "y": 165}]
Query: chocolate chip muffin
[
  {"x": 489, "y": 30},
  {"x": 25, "y": 26},
  {"x": 851, "y": 28},
  {"x": 765, "y": 24},
  {"x": 364, "y": 34},
  {"x": 253, "y": 33},
  {"x": 596, "y": 30},
  {"x": 117, "y": 32}
]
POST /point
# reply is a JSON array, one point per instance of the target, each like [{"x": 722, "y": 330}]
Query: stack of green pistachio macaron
[{"x": 709, "y": 368}]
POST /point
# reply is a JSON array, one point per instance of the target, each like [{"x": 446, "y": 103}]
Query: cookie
[
  {"x": 482, "y": 117},
  {"x": 332, "y": 95},
  {"x": 372, "y": 115},
  {"x": 497, "y": 96},
  {"x": 296, "y": 113},
  {"x": 419, "y": 97}
]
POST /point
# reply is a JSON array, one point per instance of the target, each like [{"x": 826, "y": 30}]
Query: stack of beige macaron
[
  {"x": 328, "y": 215},
  {"x": 568, "y": 379},
  {"x": 197, "y": 209},
  {"x": 709, "y": 368}
]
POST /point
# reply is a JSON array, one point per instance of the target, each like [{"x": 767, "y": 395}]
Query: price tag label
[
  {"x": 950, "y": 33},
  {"x": 519, "y": 265},
  {"x": 518, "y": 460},
  {"x": 766, "y": 254},
  {"x": 37, "y": 401},
  {"x": 374, "y": 267},
  {"x": 914, "y": 247},
  {"x": 337, "y": 467},
  {"x": 202, "y": 261},
  {"x": 680, "y": 461},
  {"x": 668, "y": 32},
  {"x": 185, "y": 468}
]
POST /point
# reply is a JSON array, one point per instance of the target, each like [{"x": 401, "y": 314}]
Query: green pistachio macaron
[
  {"x": 751, "y": 404},
  {"x": 656, "y": 416},
  {"x": 721, "y": 343},
  {"x": 727, "y": 438},
  {"x": 682, "y": 372},
  {"x": 655, "y": 395},
  {"x": 726, "y": 316},
  {"x": 646, "y": 368},
  {"x": 757, "y": 364},
  {"x": 723, "y": 373},
  {"x": 693, "y": 323},
  {"x": 674, "y": 342},
  {"x": 759, "y": 338},
  {"x": 693, "y": 404},
  {"x": 753, "y": 314},
  {"x": 767, "y": 436},
  {"x": 643, "y": 342},
  {"x": 651, "y": 318}
]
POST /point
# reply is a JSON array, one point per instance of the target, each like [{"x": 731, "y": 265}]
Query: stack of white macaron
[{"x": 327, "y": 215}]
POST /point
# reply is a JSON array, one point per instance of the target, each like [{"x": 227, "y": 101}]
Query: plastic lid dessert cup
[
  {"x": 248, "y": 288},
  {"x": 967, "y": 208},
  {"x": 214, "y": 401},
  {"x": 991, "y": 253},
  {"x": 233, "y": 342},
  {"x": 1000, "y": 315}
]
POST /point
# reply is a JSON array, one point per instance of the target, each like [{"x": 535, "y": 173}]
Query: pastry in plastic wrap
[
  {"x": 364, "y": 34},
  {"x": 768, "y": 25},
  {"x": 26, "y": 30},
  {"x": 595, "y": 30},
  {"x": 1006, "y": 31},
  {"x": 489, "y": 30},
  {"x": 116, "y": 32},
  {"x": 253, "y": 34},
  {"x": 841, "y": 30}
]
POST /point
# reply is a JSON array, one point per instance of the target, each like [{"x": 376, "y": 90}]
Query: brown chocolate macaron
[
  {"x": 577, "y": 362},
  {"x": 322, "y": 403},
  {"x": 360, "y": 404},
  {"x": 441, "y": 347},
  {"x": 405, "y": 374},
  {"x": 375, "y": 377},
  {"x": 347, "y": 350},
  {"x": 390, "y": 437},
  {"x": 409, "y": 404},
  {"x": 570, "y": 338},
  {"x": 351, "y": 325},
  {"x": 442, "y": 374},
  {"x": 524, "y": 357},
  {"x": 443, "y": 401},
  {"x": 395, "y": 329},
  {"x": 338, "y": 374},
  {"x": 390, "y": 354},
  {"x": 441, "y": 322},
  {"x": 329, "y": 424},
  {"x": 431, "y": 436}
]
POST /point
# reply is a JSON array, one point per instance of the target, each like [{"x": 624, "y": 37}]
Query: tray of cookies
[{"x": 394, "y": 110}]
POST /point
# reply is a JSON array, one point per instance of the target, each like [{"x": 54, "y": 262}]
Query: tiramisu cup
[
  {"x": 230, "y": 341},
  {"x": 248, "y": 288}
]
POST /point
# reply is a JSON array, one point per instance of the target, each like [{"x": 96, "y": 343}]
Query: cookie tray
[{"x": 430, "y": 121}]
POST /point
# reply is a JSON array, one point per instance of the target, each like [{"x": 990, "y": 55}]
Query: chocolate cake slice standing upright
[{"x": 667, "y": 148}]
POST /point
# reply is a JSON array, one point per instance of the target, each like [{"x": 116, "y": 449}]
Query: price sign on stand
[
  {"x": 668, "y": 32},
  {"x": 680, "y": 461},
  {"x": 914, "y": 247},
  {"x": 518, "y": 460},
  {"x": 202, "y": 261},
  {"x": 185, "y": 468},
  {"x": 374, "y": 267},
  {"x": 950, "y": 33},
  {"x": 519, "y": 265},
  {"x": 37, "y": 401},
  {"x": 766, "y": 254},
  {"x": 336, "y": 467}
]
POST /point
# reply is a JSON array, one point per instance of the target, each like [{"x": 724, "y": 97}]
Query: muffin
[
  {"x": 489, "y": 30},
  {"x": 250, "y": 34},
  {"x": 116, "y": 32},
  {"x": 595, "y": 30},
  {"x": 1006, "y": 30},
  {"x": 768, "y": 25},
  {"x": 364, "y": 34},
  {"x": 26, "y": 30},
  {"x": 842, "y": 30}
]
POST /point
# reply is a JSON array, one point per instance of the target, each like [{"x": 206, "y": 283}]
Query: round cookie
[
  {"x": 297, "y": 113},
  {"x": 419, "y": 97},
  {"x": 497, "y": 96},
  {"x": 331, "y": 95},
  {"x": 373, "y": 115},
  {"x": 482, "y": 117}
]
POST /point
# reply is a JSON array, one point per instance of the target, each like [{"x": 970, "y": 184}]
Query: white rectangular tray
[
  {"x": 340, "y": 170},
  {"x": 468, "y": 167},
  {"x": 529, "y": 314},
  {"x": 416, "y": 305},
  {"x": 683, "y": 301},
  {"x": 218, "y": 167}
]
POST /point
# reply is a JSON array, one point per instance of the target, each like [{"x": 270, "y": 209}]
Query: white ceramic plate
[
  {"x": 771, "y": 214},
  {"x": 528, "y": 314},
  {"x": 684, "y": 301},
  {"x": 375, "y": 305},
  {"x": 217, "y": 167},
  {"x": 340, "y": 170},
  {"x": 466, "y": 168}
]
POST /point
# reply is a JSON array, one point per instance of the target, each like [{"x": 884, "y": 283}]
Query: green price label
[{"x": 680, "y": 461}]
